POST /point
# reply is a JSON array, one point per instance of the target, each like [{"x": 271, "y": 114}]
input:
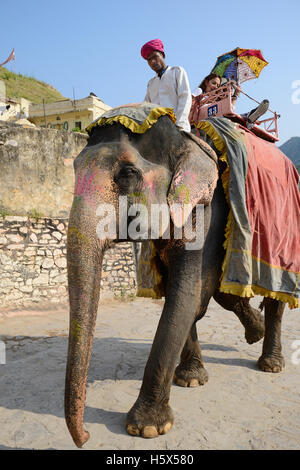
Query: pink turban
[{"x": 154, "y": 45}]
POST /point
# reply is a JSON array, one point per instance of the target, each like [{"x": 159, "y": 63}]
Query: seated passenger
[{"x": 213, "y": 81}]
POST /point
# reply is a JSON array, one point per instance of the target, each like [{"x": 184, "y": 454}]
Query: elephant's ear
[{"x": 194, "y": 181}]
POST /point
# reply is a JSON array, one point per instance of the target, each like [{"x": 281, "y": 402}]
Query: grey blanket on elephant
[{"x": 138, "y": 117}]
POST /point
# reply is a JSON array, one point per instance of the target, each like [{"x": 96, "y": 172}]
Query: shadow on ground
[{"x": 33, "y": 378}]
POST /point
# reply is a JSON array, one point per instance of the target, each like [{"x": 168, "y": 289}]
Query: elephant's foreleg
[
  {"x": 250, "y": 317},
  {"x": 151, "y": 414},
  {"x": 271, "y": 359},
  {"x": 191, "y": 372}
]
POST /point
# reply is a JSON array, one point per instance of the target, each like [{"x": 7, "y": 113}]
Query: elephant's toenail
[
  {"x": 167, "y": 428},
  {"x": 133, "y": 430},
  {"x": 194, "y": 383},
  {"x": 149, "y": 432},
  {"x": 181, "y": 382}
]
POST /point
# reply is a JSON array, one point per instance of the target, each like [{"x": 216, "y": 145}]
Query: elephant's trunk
[{"x": 85, "y": 255}]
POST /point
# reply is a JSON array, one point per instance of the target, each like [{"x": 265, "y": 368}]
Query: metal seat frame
[{"x": 219, "y": 102}]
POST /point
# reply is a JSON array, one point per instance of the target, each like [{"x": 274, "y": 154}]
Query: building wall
[
  {"x": 66, "y": 121},
  {"x": 18, "y": 108},
  {"x": 37, "y": 170},
  {"x": 64, "y": 115}
]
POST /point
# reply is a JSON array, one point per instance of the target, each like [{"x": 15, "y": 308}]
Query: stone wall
[
  {"x": 36, "y": 192},
  {"x": 33, "y": 267},
  {"x": 37, "y": 173}
]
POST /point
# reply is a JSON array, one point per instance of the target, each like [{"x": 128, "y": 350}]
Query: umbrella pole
[{"x": 258, "y": 102}]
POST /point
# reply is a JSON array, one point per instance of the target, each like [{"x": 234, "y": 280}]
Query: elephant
[{"x": 149, "y": 167}]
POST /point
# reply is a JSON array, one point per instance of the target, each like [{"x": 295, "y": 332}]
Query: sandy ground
[{"x": 239, "y": 408}]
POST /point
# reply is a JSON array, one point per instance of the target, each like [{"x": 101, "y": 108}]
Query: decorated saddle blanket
[
  {"x": 138, "y": 117},
  {"x": 262, "y": 237},
  {"x": 263, "y": 228}
]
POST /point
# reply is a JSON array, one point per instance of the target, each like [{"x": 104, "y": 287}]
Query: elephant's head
[{"x": 118, "y": 181}]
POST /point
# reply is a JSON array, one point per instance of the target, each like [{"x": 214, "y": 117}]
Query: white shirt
[{"x": 172, "y": 90}]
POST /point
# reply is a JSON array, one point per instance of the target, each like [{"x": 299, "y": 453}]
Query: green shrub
[
  {"x": 34, "y": 214},
  {"x": 4, "y": 213}
]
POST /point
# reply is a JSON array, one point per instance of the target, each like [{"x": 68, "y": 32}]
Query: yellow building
[
  {"x": 12, "y": 109},
  {"x": 67, "y": 114}
]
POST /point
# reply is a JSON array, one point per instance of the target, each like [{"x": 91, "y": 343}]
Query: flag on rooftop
[{"x": 10, "y": 57}]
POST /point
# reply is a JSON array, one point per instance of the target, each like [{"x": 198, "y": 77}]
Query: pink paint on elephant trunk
[{"x": 84, "y": 274}]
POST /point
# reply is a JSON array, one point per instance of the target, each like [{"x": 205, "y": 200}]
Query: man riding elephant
[{"x": 170, "y": 87}]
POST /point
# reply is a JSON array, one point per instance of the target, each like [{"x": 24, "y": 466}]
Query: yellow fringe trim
[
  {"x": 129, "y": 123},
  {"x": 250, "y": 291},
  {"x": 230, "y": 288},
  {"x": 147, "y": 292}
]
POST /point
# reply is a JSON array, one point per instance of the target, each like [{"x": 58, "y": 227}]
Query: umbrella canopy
[{"x": 240, "y": 64}]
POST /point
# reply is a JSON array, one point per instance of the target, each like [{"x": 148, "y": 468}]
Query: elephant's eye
[
  {"x": 128, "y": 171},
  {"x": 128, "y": 177}
]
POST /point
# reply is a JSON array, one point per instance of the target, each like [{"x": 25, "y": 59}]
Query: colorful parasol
[{"x": 240, "y": 64}]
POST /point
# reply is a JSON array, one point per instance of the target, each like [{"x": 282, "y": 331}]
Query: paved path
[{"x": 239, "y": 408}]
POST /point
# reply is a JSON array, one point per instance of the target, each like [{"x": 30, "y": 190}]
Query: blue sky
[{"x": 95, "y": 45}]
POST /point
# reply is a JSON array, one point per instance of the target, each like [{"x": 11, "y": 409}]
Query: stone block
[
  {"x": 61, "y": 227},
  {"x": 46, "y": 236},
  {"x": 42, "y": 279},
  {"x": 60, "y": 279},
  {"x": 61, "y": 262},
  {"x": 15, "y": 218},
  {"x": 57, "y": 235},
  {"x": 61, "y": 290},
  {"x": 14, "y": 237},
  {"x": 47, "y": 263},
  {"x": 33, "y": 238},
  {"x": 54, "y": 272},
  {"x": 26, "y": 288}
]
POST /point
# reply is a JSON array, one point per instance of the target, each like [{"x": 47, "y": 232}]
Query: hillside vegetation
[{"x": 18, "y": 85}]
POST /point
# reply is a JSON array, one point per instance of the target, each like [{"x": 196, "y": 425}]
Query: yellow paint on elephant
[{"x": 75, "y": 329}]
